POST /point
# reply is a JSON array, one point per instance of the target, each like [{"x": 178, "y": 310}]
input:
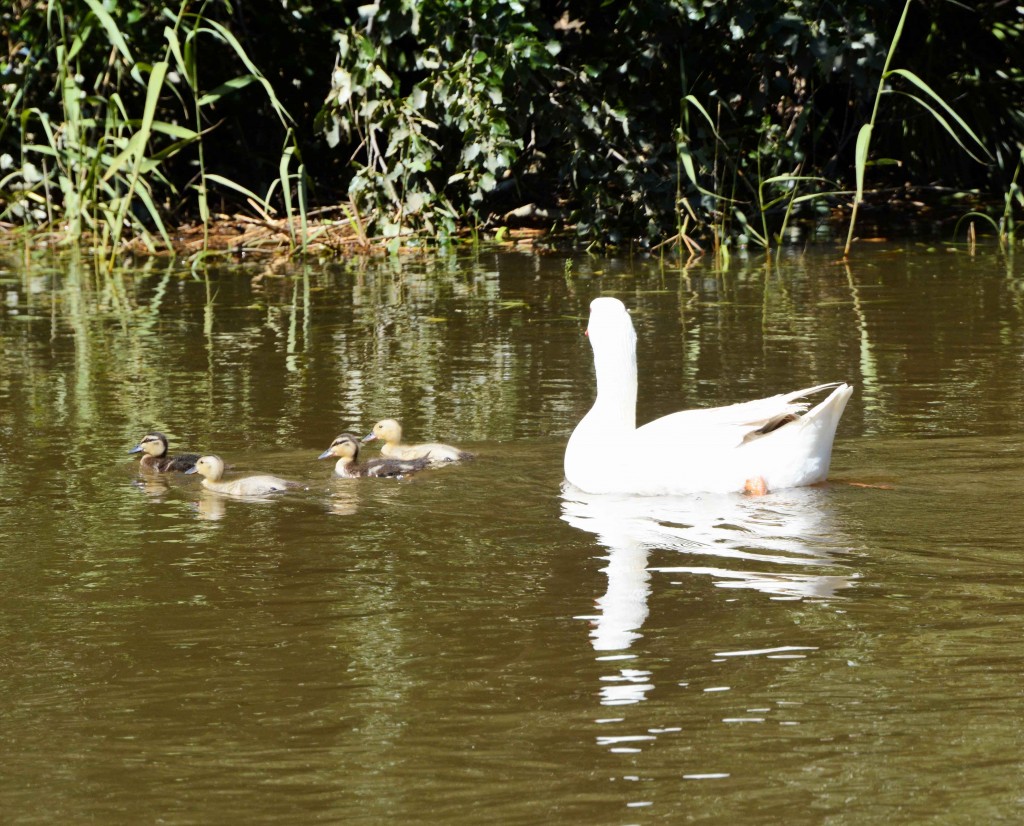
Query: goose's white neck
[
  {"x": 613, "y": 339},
  {"x": 615, "y": 366},
  {"x": 605, "y": 430}
]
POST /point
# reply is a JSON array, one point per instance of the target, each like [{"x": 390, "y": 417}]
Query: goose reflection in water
[{"x": 790, "y": 528}]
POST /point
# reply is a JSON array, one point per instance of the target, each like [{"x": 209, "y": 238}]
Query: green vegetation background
[{"x": 614, "y": 120}]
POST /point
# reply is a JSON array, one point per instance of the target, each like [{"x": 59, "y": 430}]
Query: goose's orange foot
[{"x": 755, "y": 486}]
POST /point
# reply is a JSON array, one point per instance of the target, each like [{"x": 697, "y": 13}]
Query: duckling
[
  {"x": 346, "y": 448},
  {"x": 211, "y": 468},
  {"x": 390, "y": 432},
  {"x": 154, "y": 446}
]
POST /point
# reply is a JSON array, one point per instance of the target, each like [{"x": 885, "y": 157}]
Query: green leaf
[
  {"x": 110, "y": 27},
  {"x": 687, "y": 159},
  {"x": 942, "y": 120},
  {"x": 794, "y": 178},
  {"x": 810, "y": 196},
  {"x": 861, "y": 157},
  {"x": 418, "y": 98},
  {"x": 219, "y": 30},
  {"x": 696, "y": 104},
  {"x": 154, "y": 215},
  {"x": 952, "y": 113},
  {"x": 382, "y": 77},
  {"x": 220, "y": 179},
  {"x": 226, "y": 88},
  {"x": 174, "y": 131}
]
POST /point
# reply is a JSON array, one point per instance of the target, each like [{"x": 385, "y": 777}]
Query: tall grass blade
[
  {"x": 860, "y": 161},
  {"x": 860, "y": 157},
  {"x": 286, "y": 190},
  {"x": 864, "y": 136},
  {"x": 696, "y": 104},
  {"x": 946, "y": 125},
  {"x": 303, "y": 205},
  {"x": 220, "y": 179},
  {"x": 217, "y": 29},
  {"x": 687, "y": 160},
  {"x": 137, "y": 147},
  {"x": 154, "y": 214},
  {"x": 226, "y": 88},
  {"x": 110, "y": 27},
  {"x": 924, "y": 87}
]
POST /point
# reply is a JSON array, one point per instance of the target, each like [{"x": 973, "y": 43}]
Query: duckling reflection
[
  {"x": 154, "y": 449},
  {"x": 788, "y": 530},
  {"x": 153, "y": 486},
  {"x": 346, "y": 449},
  {"x": 211, "y": 468},
  {"x": 210, "y": 508},
  {"x": 343, "y": 501},
  {"x": 389, "y": 432}
]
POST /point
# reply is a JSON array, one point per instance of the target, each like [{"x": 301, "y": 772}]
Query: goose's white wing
[
  {"x": 742, "y": 418},
  {"x": 718, "y": 449}
]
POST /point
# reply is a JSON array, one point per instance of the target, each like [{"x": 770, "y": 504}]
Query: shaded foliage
[
  {"x": 620, "y": 120},
  {"x": 109, "y": 54}
]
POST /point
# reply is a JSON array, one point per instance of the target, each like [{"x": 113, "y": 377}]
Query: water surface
[{"x": 479, "y": 642}]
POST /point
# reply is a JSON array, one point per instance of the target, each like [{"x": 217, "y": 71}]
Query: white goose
[{"x": 753, "y": 446}]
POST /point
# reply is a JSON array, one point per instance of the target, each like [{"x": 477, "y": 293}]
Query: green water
[{"x": 476, "y": 643}]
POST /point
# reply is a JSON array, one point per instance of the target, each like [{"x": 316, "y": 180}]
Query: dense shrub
[
  {"x": 620, "y": 120},
  {"x": 609, "y": 113}
]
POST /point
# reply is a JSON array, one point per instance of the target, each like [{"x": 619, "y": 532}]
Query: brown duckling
[
  {"x": 389, "y": 432},
  {"x": 346, "y": 449},
  {"x": 211, "y": 468},
  {"x": 154, "y": 449}
]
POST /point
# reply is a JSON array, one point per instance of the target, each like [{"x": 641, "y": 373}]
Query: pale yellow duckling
[
  {"x": 211, "y": 468},
  {"x": 346, "y": 449},
  {"x": 390, "y": 433}
]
